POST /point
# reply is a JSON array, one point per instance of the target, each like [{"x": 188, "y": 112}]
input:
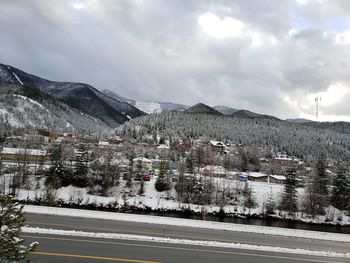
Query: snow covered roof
[
  {"x": 37, "y": 152},
  {"x": 142, "y": 159},
  {"x": 217, "y": 143},
  {"x": 278, "y": 177},
  {"x": 257, "y": 175},
  {"x": 215, "y": 169},
  {"x": 101, "y": 143},
  {"x": 163, "y": 146}
]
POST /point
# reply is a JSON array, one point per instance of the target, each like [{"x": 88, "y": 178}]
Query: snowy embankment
[
  {"x": 184, "y": 242},
  {"x": 297, "y": 233}
]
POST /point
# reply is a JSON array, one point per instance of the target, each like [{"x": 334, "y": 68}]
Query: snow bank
[
  {"x": 187, "y": 223},
  {"x": 38, "y": 230}
]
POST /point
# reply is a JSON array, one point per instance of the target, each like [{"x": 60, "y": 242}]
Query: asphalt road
[{"x": 111, "y": 226}]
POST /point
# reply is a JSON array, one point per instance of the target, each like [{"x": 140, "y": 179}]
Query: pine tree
[
  {"x": 249, "y": 199},
  {"x": 81, "y": 170},
  {"x": 321, "y": 178},
  {"x": 56, "y": 173},
  {"x": 289, "y": 202},
  {"x": 12, "y": 248},
  {"x": 319, "y": 188},
  {"x": 270, "y": 205},
  {"x": 341, "y": 188}
]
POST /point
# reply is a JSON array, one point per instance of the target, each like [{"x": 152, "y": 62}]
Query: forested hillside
[{"x": 294, "y": 139}]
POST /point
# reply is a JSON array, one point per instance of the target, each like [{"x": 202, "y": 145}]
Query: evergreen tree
[
  {"x": 81, "y": 169},
  {"x": 191, "y": 163},
  {"x": 12, "y": 247},
  {"x": 249, "y": 199},
  {"x": 321, "y": 178},
  {"x": 289, "y": 201},
  {"x": 341, "y": 188},
  {"x": 318, "y": 190},
  {"x": 270, "y": 205},
  {"x": 56, "y": 173}
]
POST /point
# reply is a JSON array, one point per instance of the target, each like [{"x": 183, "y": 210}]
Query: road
[{"x": 77, "y": 249}]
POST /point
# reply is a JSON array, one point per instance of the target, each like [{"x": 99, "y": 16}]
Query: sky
[{"x": 272, "y": 56}]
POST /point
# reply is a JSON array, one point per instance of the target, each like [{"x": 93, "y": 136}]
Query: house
[
  {"x": 163, "y": 150},
  {"x": 217, "y": 146},
  {"x": 21, "y": 154},
  {"x": 277, "y": 179},
  {"x": 258, "y": 177},
  {"x": 169, "y": 164},
  {"x": 216, "y": 170},
  {"x": 146, "y": 163}
]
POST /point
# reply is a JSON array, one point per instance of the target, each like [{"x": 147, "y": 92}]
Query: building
[
  {"x": 146, "y": 163},
  {"x": 21, "y": 154},
  {"x": 258, "y": 177},
  {"x": 277, "y": 179},
  {"x": 217, "y": 146}
]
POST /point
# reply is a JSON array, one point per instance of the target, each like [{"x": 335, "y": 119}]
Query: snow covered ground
[
  {"x": 187, "y": 223},
  {"x": 184, "y": 242},
  {"x": 120, "y": 195}
]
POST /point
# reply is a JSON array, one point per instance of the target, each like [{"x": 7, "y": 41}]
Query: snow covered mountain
[
  {"x": 225, "y": 110},
  {"x": 149, "y": 107},
  {"x": 80, "y": 96},
  {"x": 28, "y": 107},
  {"x": 201, "y": 108}
]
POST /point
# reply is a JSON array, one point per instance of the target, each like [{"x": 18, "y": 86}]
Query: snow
[
  {"x": 149, "y": 107},
  {"x": 18, "y": 79},
  {"x": 203, "y": 243},
  {"x": 36, "y": 152},
  {"x": 296, "y": 233},
  {"x": 30, "y": 100},
  {"x": 278, "y": 177}
]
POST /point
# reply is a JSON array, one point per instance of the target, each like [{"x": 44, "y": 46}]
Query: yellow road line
[
  {"x": 91, "y": 257},
  {"x": 187, "y": 249},
  {"x": 160, "y": 234}
]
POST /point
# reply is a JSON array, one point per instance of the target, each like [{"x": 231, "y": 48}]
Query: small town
[
  {"x": 196, "y": 131},
  {"x": 199, "y": 176}
]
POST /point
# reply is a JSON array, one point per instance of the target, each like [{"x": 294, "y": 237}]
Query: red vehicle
[{"x": 147, "y": 177}]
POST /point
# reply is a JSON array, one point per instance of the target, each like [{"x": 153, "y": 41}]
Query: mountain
[
  {"x": 80, "y": 96},
  {"x": 27, "y": 107},
  {"x": 225, "y": 110},
  {"x": 298, "y": 120},
  {"x": 339, "y": 126},
  {"x": 251, "y": 115},
  {"x": 202, "y": 108},
  {"x": 270, "y": 134},
  {"x": 149, "y": 107}
]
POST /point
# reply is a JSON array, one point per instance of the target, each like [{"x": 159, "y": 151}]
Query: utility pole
[{"x": 317, "y": 100}]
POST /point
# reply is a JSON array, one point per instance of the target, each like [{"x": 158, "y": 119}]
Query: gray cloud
[{"x": 156, "y": 50}]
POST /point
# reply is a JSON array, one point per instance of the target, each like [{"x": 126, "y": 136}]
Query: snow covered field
[{"x": 120, "y": 196}]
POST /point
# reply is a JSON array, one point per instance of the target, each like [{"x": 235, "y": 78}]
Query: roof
[
  {"x": 163, "y": 146},
  {"x": 278, "y": 177},
  {"x": 22, "y": 151},
  {"x": 257, "y": 175},
  {"x": 217, "y": 143},
  {"x": 142, "y": 159}
]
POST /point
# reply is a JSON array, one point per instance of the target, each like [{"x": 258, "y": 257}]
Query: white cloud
[
  {"x": 214, "y": 26},
  {"x": 343, "y": 38}
]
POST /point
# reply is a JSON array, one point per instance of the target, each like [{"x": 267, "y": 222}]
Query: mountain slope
[
  {"x": 201, "y": 108},
  {"x": 271, "y": 134},
  {"x": 225, "y": 110},
  {"x": 251, "y": 115},
  {"x": 149, "y": 107},
  {"x": 27, "y": 107},
  {"x": 77, "y": 95}
]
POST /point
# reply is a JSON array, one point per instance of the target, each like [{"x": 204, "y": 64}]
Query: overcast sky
[{"x": 271, "y": 56}]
